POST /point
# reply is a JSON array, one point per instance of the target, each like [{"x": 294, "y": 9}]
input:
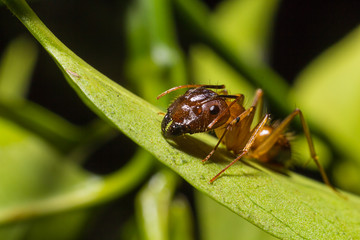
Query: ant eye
[{"x": 214, "y": 110}]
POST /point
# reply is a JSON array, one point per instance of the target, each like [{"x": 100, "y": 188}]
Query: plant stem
[{"x": 94, "y": 191}]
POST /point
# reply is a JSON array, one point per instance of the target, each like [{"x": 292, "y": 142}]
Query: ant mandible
[{"x": 201, "y": 109}]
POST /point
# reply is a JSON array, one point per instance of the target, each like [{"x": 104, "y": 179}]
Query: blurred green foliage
[{"x": 46, "y": 193}]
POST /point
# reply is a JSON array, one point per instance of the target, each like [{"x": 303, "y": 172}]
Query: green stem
[
  {"x": 95, "y": 191},
  {"x": 153, "y": 205},
  {"x": 52, "y": 128}
]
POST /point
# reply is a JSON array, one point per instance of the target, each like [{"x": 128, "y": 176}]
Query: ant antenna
[{"x": 190, "y": 86}]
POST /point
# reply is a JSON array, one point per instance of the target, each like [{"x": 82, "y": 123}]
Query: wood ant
[{"x": 201, "y": 109}]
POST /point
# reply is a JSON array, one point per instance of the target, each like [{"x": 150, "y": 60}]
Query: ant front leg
[
  {"x": 271, "y": 140},
  {"x": 247, "y": 147},
  {"x": 239, "y": 99},
  {"x": 238, "y": 119}
]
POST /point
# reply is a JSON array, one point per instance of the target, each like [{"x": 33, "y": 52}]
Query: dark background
[{"x": 94, "y": 31}]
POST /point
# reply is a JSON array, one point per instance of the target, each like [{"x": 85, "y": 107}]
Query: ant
[{"x": 201, "y": 109}]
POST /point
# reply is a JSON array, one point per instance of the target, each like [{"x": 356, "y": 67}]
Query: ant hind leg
[{"x": 271, "y": 140}]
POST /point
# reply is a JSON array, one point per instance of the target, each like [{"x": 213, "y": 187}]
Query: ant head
[{"x": 194, "y": 111}]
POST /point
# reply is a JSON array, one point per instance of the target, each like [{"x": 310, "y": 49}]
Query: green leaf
[
  {"x": 208, "y": 68},
  {"x": 16, "y": 66},
  {"x": 329, "y": 92},
  {"x": 93, "y": 190},
  {"x": 159, "y": 216},
  {"x": 245, "y": 25},
  {"x": 181, "y": 219},
  {"x": 48, "y": 227},
  {"x": 154, "y": 59},
  {"x": 257, "y": 73},
  {"x": 51, "y": 127},
  {"x": 153, "y": 204},
  {"x": 33, "y": 161},
  {"x": 32, "y": 170},
  {"x": 329, "y": 87},
  {"x": 220, "y": 223},
  {"x": 285, "y": 206}
]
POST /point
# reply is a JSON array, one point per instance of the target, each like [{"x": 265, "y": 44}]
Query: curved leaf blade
[{"x": 287, "y": 207}]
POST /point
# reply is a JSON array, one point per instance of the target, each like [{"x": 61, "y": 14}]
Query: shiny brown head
[{"x": 194, "y": 111}]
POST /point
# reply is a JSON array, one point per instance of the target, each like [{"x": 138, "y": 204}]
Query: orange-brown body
[
  {"x": 237, "y": 137},
  {"x": 201, "y": 109}
]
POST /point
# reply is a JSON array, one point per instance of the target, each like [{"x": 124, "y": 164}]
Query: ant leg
[
  {"x": 258, "y": 97},
  {"x": 271, "y": 140},
  {"x": 232, "y": 123},
  {"x": 258, "y": 103},
  {"x": 239, "y": 98},
  {"x": 190, "y": 86},
  {"x": 247, "y": 147}
]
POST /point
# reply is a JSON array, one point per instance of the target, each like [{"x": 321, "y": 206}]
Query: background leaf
[
  {"x": 220, "y": 223},
  {"x": 17, "y": 64},
  {"x": 153, "y": 205},
  {"x": 245, "y": 26},
  {"x": 328, "y": 91},
  {"x": 41, "y": 173}
]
